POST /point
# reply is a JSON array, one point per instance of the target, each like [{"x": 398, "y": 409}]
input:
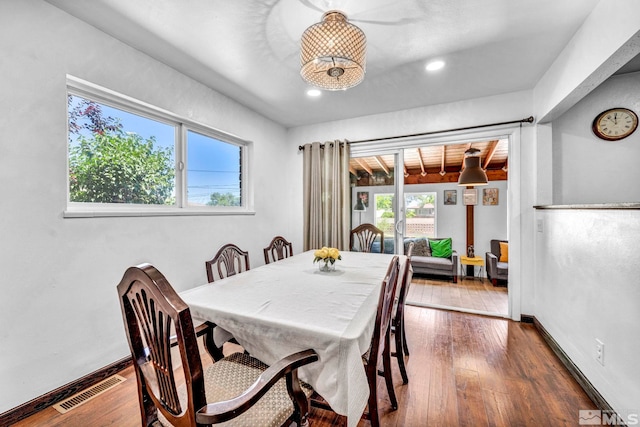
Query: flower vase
[{"x": 326, "y": 266}]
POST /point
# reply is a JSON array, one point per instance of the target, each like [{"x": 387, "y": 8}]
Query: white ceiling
[{"x": 249, "y": 49}]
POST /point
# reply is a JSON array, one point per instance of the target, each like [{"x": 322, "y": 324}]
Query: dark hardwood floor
[{"x": 464, "y": 370}]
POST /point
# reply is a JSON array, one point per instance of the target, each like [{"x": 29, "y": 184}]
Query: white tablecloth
[{"x": 288, "y": 306}]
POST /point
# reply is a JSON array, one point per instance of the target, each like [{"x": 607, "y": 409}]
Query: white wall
[
  {"x": 588, "y": 169},
  {"x": 586, "y": 284},
  {"x": 587, "y": 289},
  {"x": 490, "y": 221},
  {"x": 59, "y": 310}
]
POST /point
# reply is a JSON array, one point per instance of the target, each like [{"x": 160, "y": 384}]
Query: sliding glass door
[
  {"x": 410, "y": 190},
  {"x": 379, "y": 198}
]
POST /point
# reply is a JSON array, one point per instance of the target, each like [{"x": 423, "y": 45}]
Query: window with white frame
[
  {"x": 126, "y": 155},
  {"x": 420, "y": 213},
  {"x": 214, "y": 171}
]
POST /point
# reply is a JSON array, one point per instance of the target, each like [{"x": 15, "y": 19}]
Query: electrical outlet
[
  {"x": 600, "y": 351},
  {"x": 540, "y": 225}
]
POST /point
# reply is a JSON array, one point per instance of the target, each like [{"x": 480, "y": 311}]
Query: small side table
[{"x": 475, "y": 261}]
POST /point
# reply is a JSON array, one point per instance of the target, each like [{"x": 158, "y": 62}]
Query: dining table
[{"x": 291, "y": 305}]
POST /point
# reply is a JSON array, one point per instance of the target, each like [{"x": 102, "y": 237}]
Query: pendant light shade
[
  {"x": 332, "y": 53},
  {"x": 472, "y": 173}
]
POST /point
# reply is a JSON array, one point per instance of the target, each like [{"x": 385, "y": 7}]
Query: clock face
[{"x": 615, "y": 124}]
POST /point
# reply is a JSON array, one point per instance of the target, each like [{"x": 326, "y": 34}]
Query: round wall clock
[{"x": 615, "y": 124}]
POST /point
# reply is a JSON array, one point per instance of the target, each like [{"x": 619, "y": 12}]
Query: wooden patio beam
[
  {"x": 382, "y": 165},
  {"x": 423, "y": 172},
  {"x": 363, "y": 166},
  {"x": 492, "y": 150}
]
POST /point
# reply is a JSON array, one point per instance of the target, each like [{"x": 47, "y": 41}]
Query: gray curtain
[{"x": 327, "y": 195}]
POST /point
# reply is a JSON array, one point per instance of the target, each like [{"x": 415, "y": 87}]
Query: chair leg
[
  {"x": 388, "y": 377},
  {"x": 373, "y": 405},
  {"x": 404, "y": 337},
  {"x": 399, "y": 338},
  {"x": 214, "y": 351},
  {"x": 300, "y": 400},
  {"x": 372, "y": 412}
]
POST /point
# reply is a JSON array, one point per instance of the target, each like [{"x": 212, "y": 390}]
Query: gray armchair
[
  {"x": 496, "y": 270},
  {"x": 424, "y": 263}
]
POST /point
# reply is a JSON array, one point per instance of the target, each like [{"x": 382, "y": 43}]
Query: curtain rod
[{"x": 527, "y": 120}]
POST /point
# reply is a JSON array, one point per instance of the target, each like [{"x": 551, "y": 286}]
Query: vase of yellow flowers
[{"x": 326, "y": 258}]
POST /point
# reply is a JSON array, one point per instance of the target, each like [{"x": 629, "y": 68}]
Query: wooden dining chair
[
  {"x": 381, "y": 344},
  {"x": 278, "y": 249},
  {"x": 379, "y": 348},
  {"x": 238, "y": 387},
  {"x": 397, "y": 318},
  {"x": 363, "y": 236},
  {"x": 228, "y": 261}
]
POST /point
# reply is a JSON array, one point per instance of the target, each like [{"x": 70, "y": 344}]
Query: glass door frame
[{"x": 396, "y": 146}]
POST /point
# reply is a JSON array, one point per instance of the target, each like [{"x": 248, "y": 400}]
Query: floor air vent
[{"x": 88, "y": 394}]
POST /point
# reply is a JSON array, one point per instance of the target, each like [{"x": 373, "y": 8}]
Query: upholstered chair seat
[{"x": 230, "y": 377}]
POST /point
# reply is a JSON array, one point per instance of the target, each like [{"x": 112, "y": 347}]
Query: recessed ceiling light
[
  {"x": 434, "y": 65},
  {"x": 314, "y": 92}
]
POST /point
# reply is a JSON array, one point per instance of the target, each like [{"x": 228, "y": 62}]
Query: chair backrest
[
  {"x": 363, "y": 236},
  {"x": 403, "y": 287},
  {"x": 385, "y": 306},
  {"x": 495, "y": 247},
  {"x": 152, "y": 310},
  {"x": 229, "y": 260},
  {"x": 278, "y": 249},
  {"x": 409, "y": 252},
  {"x": 404, "y": 283}
]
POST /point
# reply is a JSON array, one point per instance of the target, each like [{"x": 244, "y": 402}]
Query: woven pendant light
[{"x": 332, "y": 53}]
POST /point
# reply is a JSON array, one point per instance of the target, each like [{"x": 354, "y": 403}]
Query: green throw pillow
[{"x": 441, "y": 248}]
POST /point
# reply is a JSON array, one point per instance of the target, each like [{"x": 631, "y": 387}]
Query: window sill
[{"x": 114, "y": 213}]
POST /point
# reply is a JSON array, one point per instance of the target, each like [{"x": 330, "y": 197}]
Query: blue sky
[{"x": 212, "y": 165}]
